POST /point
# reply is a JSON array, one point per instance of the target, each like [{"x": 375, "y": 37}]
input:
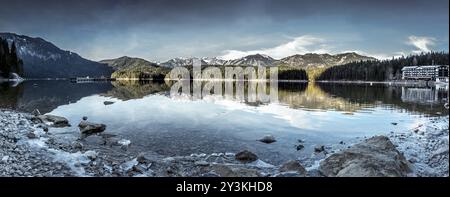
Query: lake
[{"x": 154, "y": 119}]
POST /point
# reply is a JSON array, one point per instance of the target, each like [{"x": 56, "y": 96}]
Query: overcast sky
[{"x": 160, "y": 30}]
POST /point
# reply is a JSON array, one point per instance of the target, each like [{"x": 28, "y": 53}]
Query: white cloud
[
  {"x": 421, "y": 43},
  {"x": 299, "y": 45}
]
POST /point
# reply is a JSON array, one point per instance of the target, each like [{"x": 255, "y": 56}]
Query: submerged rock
[
  {"x": 88, "y": 128},
  {"x": 375, "y": 157},
  {"x": 268, "y": 139},
  {"x": 299, "y": 147},
  {"x": 246, "y": 156},
  {"x": 319, "y": 148},
  {"x": 55, "y": 121},
  {"x": 32, "y": 135},
  {"x": 108, "y": 103}
]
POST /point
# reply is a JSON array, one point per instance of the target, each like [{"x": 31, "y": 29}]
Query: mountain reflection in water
[
  {"x": 155, "y": 118},
  {"x": 347, "y": 98}
]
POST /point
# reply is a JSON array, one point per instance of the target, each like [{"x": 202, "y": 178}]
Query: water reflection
[
  {"x": 413, "y": 99},
  {"x": 127, "y": 90},
  {"x": 46, "y": 95},
  {"x": 220, "y": 121},
  {"x": 347, "y": 98}
]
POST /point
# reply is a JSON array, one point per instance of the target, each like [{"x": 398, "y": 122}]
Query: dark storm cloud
[
  {"x": 39, "y": 13},
  {"x": 168, "y": 28}
]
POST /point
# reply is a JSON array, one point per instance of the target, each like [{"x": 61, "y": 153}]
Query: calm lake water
[{"x": 154, "y": 120}]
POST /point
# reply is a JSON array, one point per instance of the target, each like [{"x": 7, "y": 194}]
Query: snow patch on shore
[{"x": 73, "y": 160}]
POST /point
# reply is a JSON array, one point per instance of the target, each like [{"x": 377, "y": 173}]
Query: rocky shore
[{"x": 29, "y": 148}]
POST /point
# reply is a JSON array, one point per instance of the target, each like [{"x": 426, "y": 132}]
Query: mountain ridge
[
  {"x": 43, "y": 59},
  {"x": 126, "y": 62},
  {"x": 308, "y": 60}
]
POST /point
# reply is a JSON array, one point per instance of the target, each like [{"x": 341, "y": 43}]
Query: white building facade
[{"x": 439, "y": 73}]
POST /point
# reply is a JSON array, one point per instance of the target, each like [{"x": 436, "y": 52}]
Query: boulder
[
  {"x": 88, "y": 128},
  {"x": 55, "y": 121},
  {"x": 375, "y": 157},
  {"x": 246, "y": 156},
  {"x": 293, "y": 166},
  {"x": 268, "y": 139},
  {"x": 233, "y": 171}
]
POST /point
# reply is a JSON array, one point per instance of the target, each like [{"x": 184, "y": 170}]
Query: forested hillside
[{"x": 384, "y": 70}]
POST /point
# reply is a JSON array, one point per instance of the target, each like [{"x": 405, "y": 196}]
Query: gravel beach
[{"x": 29, "y": 149}]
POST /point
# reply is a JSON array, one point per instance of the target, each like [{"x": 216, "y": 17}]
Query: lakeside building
[{"x": 439, "y": 73}]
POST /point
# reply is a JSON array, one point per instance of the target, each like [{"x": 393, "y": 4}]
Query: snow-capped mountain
[
  {"x": 176, "y": 62},
  {"x": 311, "y": 60},
  {"x": 254, "y": 60},
  {"x": 251, "y": 60},
  {"x": 43, "y": 59},
  {"x": 181, "y": 61},
  {"x": 213, "y": 61}
]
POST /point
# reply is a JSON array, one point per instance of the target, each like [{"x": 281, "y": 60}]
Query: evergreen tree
[
  {"x": 383, "y": 70},
  {"x": 9, "y": 61},
  {"x": 4, "y": 59}
]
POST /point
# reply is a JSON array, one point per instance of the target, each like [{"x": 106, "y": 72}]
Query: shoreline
[
  {"x": 387, "y": 83},
  {"x": 401, "y": 82},
  {"x": 43, "y": 154}
]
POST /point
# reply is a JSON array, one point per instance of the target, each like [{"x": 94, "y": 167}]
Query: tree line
[
  {"x": 382, "y": 70},
  {"x": 9, "y": 61}
]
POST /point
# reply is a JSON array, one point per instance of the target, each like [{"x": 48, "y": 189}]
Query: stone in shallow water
[
  {"x": 319, "y": 148},
  {"x": 55, "y": 121},
  {"x": 268, "y": 139},
  {"x": 31, "y": 135},
  {"x": 300, "y": 147},
  {"x": 375, "y": 157},
  {"x": 246, "y": 156},
  {"x": 108, "y": 103},
  {"x": 88, "y": 128}
]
